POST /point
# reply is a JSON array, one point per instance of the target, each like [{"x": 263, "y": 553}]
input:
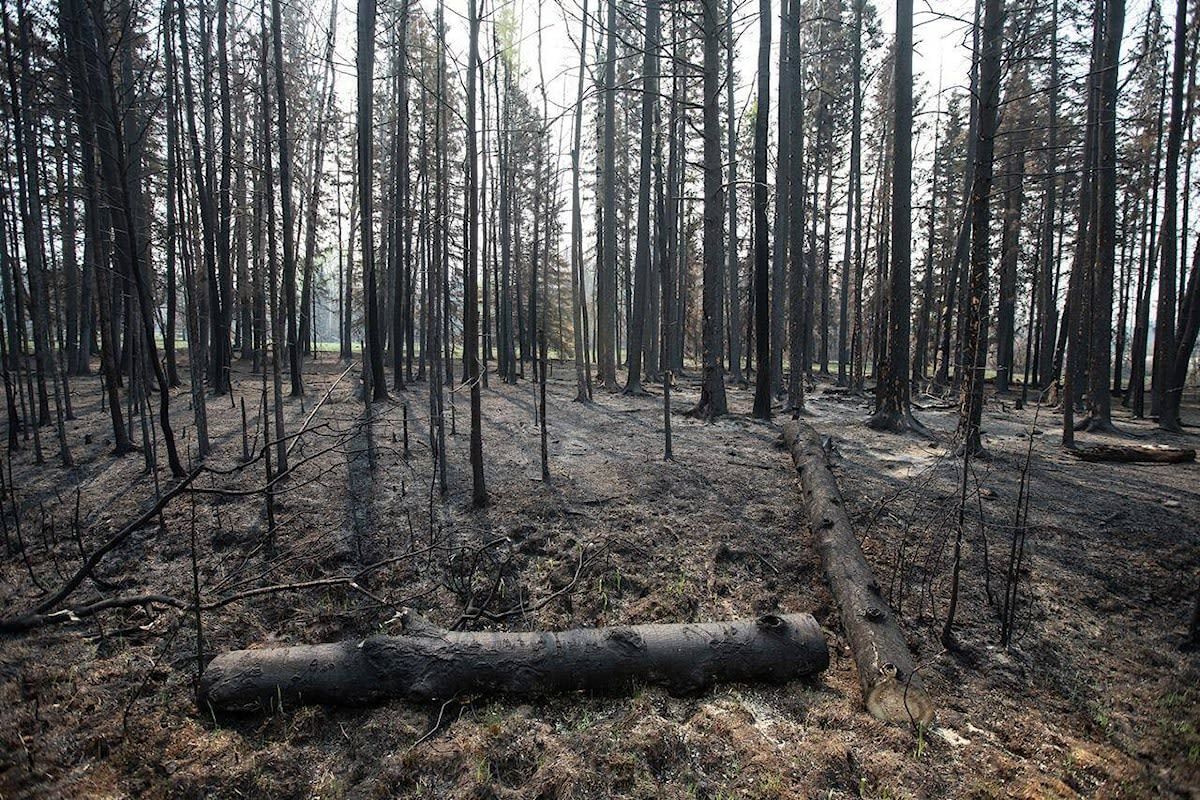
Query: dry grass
[{"x": 1093, "y": 700}]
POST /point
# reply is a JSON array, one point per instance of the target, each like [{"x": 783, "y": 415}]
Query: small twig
[
  {"x": 436, "y": 726},
  {"x": 27, "y": 622}
]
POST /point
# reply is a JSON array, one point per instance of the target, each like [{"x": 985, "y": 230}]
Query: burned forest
[{"x": 599, "y": 399}]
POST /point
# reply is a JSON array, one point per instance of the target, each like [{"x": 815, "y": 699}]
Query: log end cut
[{"x": 899, "y": 698}]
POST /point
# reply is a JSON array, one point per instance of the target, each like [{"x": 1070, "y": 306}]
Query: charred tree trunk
[
  {"x": 470, "y": 299},
  {"x": 583, "y": 377},
  {"x": 975, "y": 346},
  {"x": 1102, "y": 266},
  {"x": 366, "y": 169},
  {"x": 712, "y": 402},
  {"x": 762, "y": 263},
  {"x": 641, "y": 277},
  {"x": 892, "y": 689},
  {"x": 893, "y": 410},
  {"x": 1164, "y": 331},
  {"x": 426, "y": 663}
]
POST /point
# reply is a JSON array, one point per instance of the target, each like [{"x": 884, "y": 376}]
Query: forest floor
[{"x": 1092, "y": 699}]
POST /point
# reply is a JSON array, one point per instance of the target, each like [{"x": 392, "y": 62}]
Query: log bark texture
[
  {"x": 1130, "y": 454},
  {"x": 427, "y": 663},
  {"x": 892, "y": 689}
]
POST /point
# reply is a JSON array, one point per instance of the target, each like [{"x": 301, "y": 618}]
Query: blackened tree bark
[
  {"x": 366, "y": 168},
  {"x": 29, "y": 201},
  {"x": 110, "y": 139},
  {"x": 981, "y": 187},
  {"x": 762, "y": 263},
  {"x": 1006, "y": 307},
  {"x": 1165, "y": 345},
  {"x": 854, "y": 207},
  {"x": 893, "y": 410},
  {"x": 1047, "y": 302},
  {"x": 471, "y": 300},
  {"x": 641, "y": 275},
  {"x": 606, "y": 278},
  {"x": 1099, "y": 398},
  {"x": 324, "y": 112},
  {"x": 222, "y": 352},
  {"x": 788, "y": 95},
  {"x": 712, "y": 402},
  {"x": 200, "y": 350},
  {"x": 735, "y": 316},
  {"x": 583, "y": 377},
  {"x": 287, "y": 208}
]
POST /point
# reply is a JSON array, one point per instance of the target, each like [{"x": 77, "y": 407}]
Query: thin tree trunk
[
  {"x": 712, "y": 402},
  {"x": 981, "y": 188},
  {"x": 641, "y": 278},
  {"x": 471, "y": 300},
  {"x": 1164, "y": 331},
  {"x": 762, "y": 263},
  {"x": 735, "y": 324}
]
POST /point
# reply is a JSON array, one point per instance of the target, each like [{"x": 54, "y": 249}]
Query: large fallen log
[
  {"x": 1133, "y": 454},
  {"x": 427, "y": 663},
  {"x": 892, "y": 689}
]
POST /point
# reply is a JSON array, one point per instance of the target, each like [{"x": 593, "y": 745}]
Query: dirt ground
[{"x": 1092, "y": 699}]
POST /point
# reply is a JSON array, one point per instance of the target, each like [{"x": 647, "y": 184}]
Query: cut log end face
[{"x": 897, "y": 699}]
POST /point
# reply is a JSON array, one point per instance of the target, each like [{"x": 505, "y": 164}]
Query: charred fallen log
[
  {"x": 892, "y": 689},
  {"x": 428, "y": 663},
  {"x": 1132, "y": 454}
]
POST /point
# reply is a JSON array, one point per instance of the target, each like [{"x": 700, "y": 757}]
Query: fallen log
[
  {"x": 892, "y": 689},
  {"x": 1133, "y": 454},
  {"x": 426, "y": 663}
]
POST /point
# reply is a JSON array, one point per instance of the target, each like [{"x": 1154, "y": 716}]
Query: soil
[{"x": 1093, "y": 697}]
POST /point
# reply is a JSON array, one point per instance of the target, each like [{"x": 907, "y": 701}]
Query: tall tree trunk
[
  {"x": 893, "y": 386},
  {"x": 735, "y": 324},
  {"x": 641, "y": 278},
  {"x": 171, "y": 231},
  {"x": 223, "y": 309},
  {"x": 288, "y": 211},
  {"x": 1006, "y": 307},
  {"x": 1136, "y": 398},
  {"x": 854, "y": 198},
  {"x": 366, "y": 196},
  {"x": 325, "y": 111},
  {"x": 1101, "y": 268},
  {"x": 1047, "y": 299},
  {"x": 981, "y": 217},
  {"x": 201, "y": 357},
  {"x": 29, "y": 203},
  {"x": 762, "y": 263},
  {"x": 606, "y": 278},
  {"x": 784, "y": 201},
  {"x": 114, "y": 164},
  {"x": 712, "y": 402},
  {"x": 583, "y": 377},
  {"x": 797, "y": 279},
  {"x": 471, "y": 300},
  {"x": 1165, "y": 344}
]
